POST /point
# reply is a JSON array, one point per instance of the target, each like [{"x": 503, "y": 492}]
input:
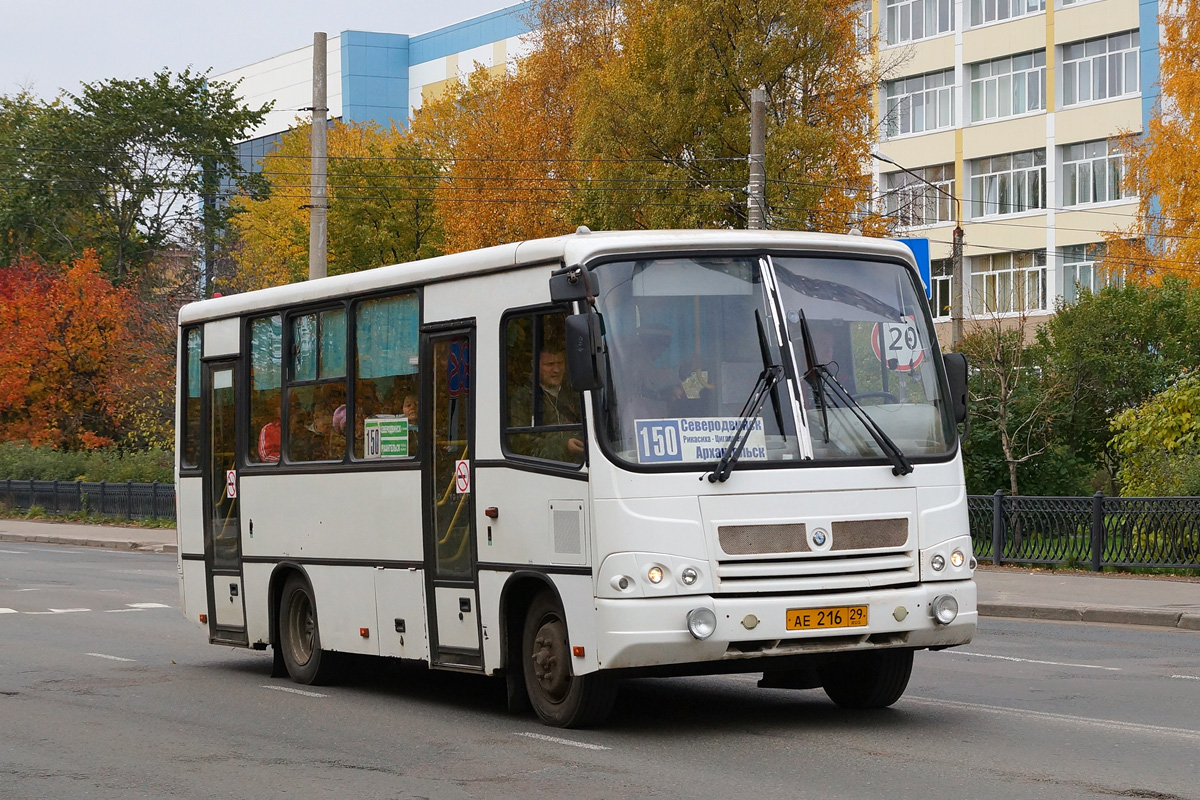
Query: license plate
[{"x": 808, "y": 619}]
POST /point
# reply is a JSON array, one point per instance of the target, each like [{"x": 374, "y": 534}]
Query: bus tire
[
  {"x": 560, "y": 698},
  {"x": 299, "y": 634},
  {"x": 873, "y": 679}
]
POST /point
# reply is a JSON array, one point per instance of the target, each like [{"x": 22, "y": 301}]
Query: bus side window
[
  {"x": 542, "y": 411},
  {"x": 387, "y": 373},
  {"x": 266, "y": 375},
  {"x": 316, "y": 392}
]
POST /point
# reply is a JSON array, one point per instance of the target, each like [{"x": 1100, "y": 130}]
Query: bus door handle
[{"x": 464, "y": 605}]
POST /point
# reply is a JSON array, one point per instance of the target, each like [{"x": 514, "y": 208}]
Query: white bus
[{"x": 571, "y": 460}]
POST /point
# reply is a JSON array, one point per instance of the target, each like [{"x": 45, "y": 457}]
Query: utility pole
[
  {"x": 756, "y": 201},
  {"x": 318, "y": 225},
  {"x": 956, "y": 281}
]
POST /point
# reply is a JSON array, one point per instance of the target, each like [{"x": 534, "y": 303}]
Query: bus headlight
[
  {"x": 654, "y": 575},
  {"x": 689, "y": 575},
  {"x": 944, "y": 608},
  {"x": 938, "y": 562},
  {"x": 701, "y": 622},
  {"x": 957, "y": 558}
]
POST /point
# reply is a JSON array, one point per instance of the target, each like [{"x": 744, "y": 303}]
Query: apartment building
[{"x": 1012, "y": 107}]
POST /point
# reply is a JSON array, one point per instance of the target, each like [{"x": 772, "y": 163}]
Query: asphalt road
[{"x": 126, "y": 700}]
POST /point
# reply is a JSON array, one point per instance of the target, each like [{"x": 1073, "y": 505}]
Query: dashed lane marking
[
  {"x": 111, "y": 658},
  {"x": 556, "y": 740},
  {"x": 9, "y": 611},
  {"x": 1033, "y": 661},
  {"x": 290, "y": 690},
  {"x": 147, "y": 605},
  {"x": 67, "y": 610},
  {"x": 1187, "y": 677},
  {"x": 15, "y": 552},
  {"x": 1127, "y": 727},
  {"x": 131, "y": 607}
]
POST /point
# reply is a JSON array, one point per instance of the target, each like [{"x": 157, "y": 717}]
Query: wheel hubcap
[
  {"x": 303, "y": 628},
  {"x": 550, "y": 665}
]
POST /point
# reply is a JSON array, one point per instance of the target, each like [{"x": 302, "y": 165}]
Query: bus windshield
[{"x": 688, "y": 339}]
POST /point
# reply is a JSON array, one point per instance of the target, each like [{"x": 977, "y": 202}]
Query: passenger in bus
[
  {"x": 556, "y": 404},
  {"x": 269, "y": 434}
]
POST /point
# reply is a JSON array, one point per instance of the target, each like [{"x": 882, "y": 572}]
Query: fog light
[
  {"x": 938, "y": 562},
  {"x": 655, "y": 575},
  {"x": 945, "y": 608},
  {"x": 957, "y": 558},
  {"x": 701, "y": 622},
  {"x": 621, "y": 582},
  {"x": 689, "y": 575}
]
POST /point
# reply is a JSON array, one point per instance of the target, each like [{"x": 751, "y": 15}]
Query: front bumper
[{"x": 648, "y": 632}]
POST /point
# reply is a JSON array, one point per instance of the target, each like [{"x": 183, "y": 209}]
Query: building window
[
  {"x": 941, "y": 271},
  {"x": 908, "y": 20},
  {"x": 1004, "y": 283},
  {"x": 920, "y": 103},
  {"x": 1101, "y": 69},
  {"x": 985, "y": 11},
  {"x": 1082, "y": 271},
  {"x": 910, "y": 200},
  {"x": 1092, "y": 173},
  {"x": 1008, "y": 184},
  {"x": 1008, "y": 86}
]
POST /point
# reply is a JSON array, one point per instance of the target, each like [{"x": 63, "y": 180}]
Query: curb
[
  {"x": 1103, "y": 614},
  {"x": 108, "y": 544}
]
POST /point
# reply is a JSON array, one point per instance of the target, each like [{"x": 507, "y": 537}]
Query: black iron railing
[
  {"x": 1091, "y": 532},
  {"x": 126, "y": 500}
]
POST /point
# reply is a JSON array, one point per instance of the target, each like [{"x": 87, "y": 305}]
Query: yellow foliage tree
[
  {"x": 1162, "y": 167},
  {"x": 381, "y": 186}
]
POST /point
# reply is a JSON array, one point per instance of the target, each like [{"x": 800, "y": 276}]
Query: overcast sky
[{"x": 48, "y": 45}]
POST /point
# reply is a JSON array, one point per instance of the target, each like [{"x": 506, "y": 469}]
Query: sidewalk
[
  {"x": 151, "y": 540},
  {"x": 1003, "y": 592}
]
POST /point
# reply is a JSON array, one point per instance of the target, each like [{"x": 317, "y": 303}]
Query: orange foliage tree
[
  {"x": 1162, "y": 167},
  {"x": 76, "y": 364}
]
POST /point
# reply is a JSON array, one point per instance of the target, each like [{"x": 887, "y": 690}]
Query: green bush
[{"x": 21, "y": 462}]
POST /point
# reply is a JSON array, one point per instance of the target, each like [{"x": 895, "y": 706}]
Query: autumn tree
[
  {"x": 664, "y": 123},
  {"x": 381, "y": 209},
  {"x": 77, "y": 366},
  {"x": 1161, "y": 166}
]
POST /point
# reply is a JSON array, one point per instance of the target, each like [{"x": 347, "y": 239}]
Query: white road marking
[
  {"x": 147, "y": 605},
  {"x": 1181, "y": 677},
  {"x": 67, "y": 610},
  {"x": 15, "y": 552},
  {"x": 556, "y": 740},
  {"x": 121, "y": 610},
  {"x": 111, "y": 658},
  {"x": 290, "y": 690},
  {"x": 8, "y": 611},
  {"x": 1127, "y": 727},
  {"x": 1033, "y": 661}
]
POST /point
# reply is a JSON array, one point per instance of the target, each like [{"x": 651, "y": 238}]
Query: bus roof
[{"x": 576, "y": 248}]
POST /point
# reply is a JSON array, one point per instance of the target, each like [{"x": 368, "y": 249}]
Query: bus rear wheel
[
  {"x": 299, "y": 634},
  {"x": 867, "y": 680},
  {"x": 559, "y": 697}
]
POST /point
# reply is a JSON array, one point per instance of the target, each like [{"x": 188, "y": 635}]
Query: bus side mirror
[
  {"x": 956, "y": 375},
  {"x": 573, "y": 283},
  {"x": 585, "y": 351}
]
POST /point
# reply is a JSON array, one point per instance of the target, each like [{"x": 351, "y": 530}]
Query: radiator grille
[
  {"x": 866, "y": 534},
  {"x": 744, "y": 540}
]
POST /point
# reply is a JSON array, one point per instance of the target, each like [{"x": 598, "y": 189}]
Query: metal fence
[
  {"x": 1093, "y": 532},
  {"x": 127, "y": 500}
]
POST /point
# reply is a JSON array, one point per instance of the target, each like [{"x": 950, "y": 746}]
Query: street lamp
[{"x": 956, "y": 253}]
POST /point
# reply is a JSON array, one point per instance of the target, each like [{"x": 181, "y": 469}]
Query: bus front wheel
[
  {"x": 873, "y": 679},
  {"x": 559, "y": 697},
  {"x": 299, "y": 635}
]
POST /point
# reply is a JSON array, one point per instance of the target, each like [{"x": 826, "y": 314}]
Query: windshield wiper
[
  {"x": 767, "y": 380},
  {"x": 821, "y": 378}
]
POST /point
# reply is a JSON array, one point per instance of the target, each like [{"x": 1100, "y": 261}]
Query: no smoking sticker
[
  {"x": 230, "y": 484},
  {"x": 462, "y": 477}
]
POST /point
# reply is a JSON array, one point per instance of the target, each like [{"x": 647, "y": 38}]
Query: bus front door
[
  {"x": 451, "y": 587},
  {"x": 222, "y": 526}
]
